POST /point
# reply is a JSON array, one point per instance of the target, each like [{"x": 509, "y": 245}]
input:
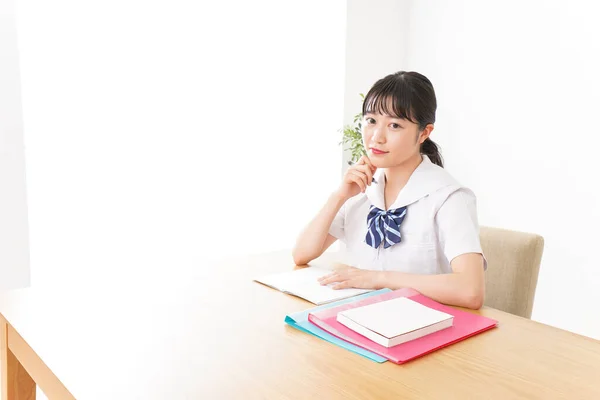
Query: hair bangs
[{"x": 390, "y": 97}]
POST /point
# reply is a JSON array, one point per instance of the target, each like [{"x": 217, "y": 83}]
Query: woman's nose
[{"x": 378, "y": 135}]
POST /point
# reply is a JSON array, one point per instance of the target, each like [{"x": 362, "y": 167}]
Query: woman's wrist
[
  {"x": 338, "y": 198},
  {"x": 387, "y": 279},
  {"x": 381, "y": 280}
]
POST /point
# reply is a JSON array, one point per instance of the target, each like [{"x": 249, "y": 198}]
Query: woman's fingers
[
  {"x": 327, "y": 279},
  {"x": 342, "y": 285},
  {"x": 359, "y": 178},
  {"x": 366, "y": 161},
  {"x": 367, "y": 171}
]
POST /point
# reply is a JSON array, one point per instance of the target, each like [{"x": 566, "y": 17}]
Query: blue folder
[{"x": 300, "y": 321}]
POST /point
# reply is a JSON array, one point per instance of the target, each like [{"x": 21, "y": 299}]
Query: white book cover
[
  {"x": 396, "y": 317},
  {"x": 304, "y": 283}
]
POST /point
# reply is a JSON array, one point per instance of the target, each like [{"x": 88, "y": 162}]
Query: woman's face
[{"x": 391, "y": 141}]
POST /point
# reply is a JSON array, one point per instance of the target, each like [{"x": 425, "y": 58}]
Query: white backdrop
[
  {"x": 518, "y": 91},
  {"x": 14, "y": 241},
  {"x": 160, "y": 134}
]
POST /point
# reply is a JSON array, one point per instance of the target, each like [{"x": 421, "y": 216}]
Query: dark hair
[{"x": 413, "y": 98}]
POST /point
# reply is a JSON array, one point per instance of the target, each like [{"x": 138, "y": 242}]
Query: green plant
[{"x": 352, "y": 136}]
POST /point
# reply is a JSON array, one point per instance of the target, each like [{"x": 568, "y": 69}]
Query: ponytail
[{"x": 431, "y": 150}]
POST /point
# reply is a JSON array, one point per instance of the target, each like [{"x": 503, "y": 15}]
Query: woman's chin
[{"x": 378, "y": 162}]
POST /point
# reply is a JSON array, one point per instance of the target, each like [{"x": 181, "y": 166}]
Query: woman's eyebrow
[{"x": 385, "y": 115}]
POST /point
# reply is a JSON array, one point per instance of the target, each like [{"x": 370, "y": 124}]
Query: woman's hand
[
  {"x": 357, "y": 178},
  {"x": 353, "y": 278}
]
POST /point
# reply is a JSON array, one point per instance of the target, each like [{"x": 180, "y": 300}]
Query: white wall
[
  {"x": 376, "y": 42},
  {"x": 160, "y": 134},
  {"x": 14, "y": 241},
  {"x": 518, "y": 90}
]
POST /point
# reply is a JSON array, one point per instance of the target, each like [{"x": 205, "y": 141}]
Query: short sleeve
[
  {"x": 337, "y": 226},
  {"x": 458, "y": 227}
]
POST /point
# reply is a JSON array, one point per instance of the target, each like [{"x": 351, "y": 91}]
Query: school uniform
[{"x": 432, "y": 221}]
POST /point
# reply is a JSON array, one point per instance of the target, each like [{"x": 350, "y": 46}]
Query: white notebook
[
  {"x": 304, "y": 283},
  {"x": 396, "y": 321}
]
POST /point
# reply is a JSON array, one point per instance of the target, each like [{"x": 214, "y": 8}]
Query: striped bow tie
[{"x": 384, "y": 226}]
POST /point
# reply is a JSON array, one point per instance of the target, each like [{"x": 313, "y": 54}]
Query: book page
[
  {"x": 304, "y": 283},
  {"x": 319, "y": 294},
  {"x": 284, "y": 281}
]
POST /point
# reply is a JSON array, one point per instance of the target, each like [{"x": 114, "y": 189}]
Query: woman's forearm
[
  {"x": 459, "y": 289},
  {"x": 311, "y": 242}
]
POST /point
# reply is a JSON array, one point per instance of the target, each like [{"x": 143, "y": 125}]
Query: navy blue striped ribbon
[{"x": 384, "y": 226}]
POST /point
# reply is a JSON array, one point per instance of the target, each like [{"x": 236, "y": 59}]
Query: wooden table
[{"x": 212, "y": 333}]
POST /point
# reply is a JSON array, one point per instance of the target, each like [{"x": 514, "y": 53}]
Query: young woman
[{"x": 405, "y": 220}]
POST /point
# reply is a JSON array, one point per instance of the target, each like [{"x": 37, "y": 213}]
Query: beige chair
[{"x": 513, "y": 266}]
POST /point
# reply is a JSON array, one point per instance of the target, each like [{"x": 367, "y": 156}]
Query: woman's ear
[{"x": 425, "y": 133}]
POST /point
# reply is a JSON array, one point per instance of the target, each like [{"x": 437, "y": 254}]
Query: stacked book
[{"x": 398, "y": 325}]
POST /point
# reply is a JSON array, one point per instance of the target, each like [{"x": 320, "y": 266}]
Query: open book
[
  {"x": 304, "y": 283},
  {"x": 393, "y": 322}
]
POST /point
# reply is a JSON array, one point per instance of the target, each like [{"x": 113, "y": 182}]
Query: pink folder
[{"x": 465, "y": 325}]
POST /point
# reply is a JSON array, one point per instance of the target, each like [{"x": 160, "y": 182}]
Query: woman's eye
[
  {"x": 396, "y": 126},
  {"x": 370, "y": 121}
]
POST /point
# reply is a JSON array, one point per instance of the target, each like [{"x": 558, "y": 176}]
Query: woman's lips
[{"x": 377, "y": 151}]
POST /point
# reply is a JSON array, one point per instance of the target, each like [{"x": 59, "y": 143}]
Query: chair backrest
[{"x": 513, "y": 266}]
